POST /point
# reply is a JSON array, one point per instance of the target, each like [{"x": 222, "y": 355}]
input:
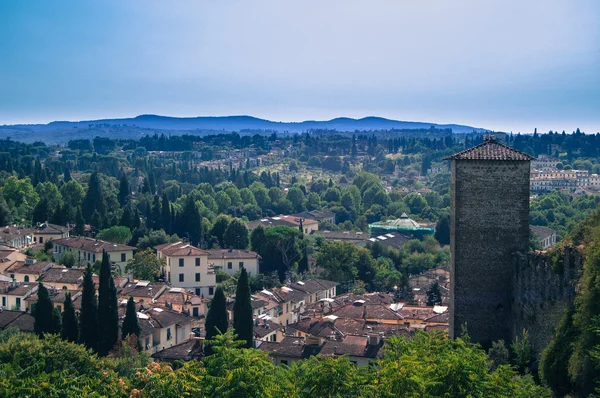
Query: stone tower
[{"x": 489, "y": 222}]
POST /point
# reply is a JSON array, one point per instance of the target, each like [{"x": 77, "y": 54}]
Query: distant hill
[{"x": 65, "y": 130}]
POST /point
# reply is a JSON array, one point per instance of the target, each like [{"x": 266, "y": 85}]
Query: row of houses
[{"x": 22, "y": 237}]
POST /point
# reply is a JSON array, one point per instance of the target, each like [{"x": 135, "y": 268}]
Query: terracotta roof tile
[{"x": 490, "y": 149}]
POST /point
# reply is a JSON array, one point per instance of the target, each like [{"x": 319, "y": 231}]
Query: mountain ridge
[{"x": 244, "y": 122}]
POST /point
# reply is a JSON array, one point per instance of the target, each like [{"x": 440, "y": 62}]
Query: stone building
[{"x": 489, "y": 224}]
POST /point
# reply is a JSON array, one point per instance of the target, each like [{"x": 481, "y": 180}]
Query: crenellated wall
[{"x": 543, "y": 287}]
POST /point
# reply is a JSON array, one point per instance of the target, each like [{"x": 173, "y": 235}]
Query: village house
[
  {"x": 233, "y": 260},
  {"x": 178, "y": 299},
  {"x": 44, "y": 232},
  {"x": 8, "y": 255},
  {"x": 143, "y": 292},
  {"x": 308, "y": 225},
  {"x": 545, "y": 236},
  {"x": 16, "y": 319},
  {"x": 88, "y": 250},
  {"x": 288, "y": 303},
  {"x": 315, "y": 289},
  {"x": 163, "y": 328},
  {"x": 188, "y": 267},
  {"x": 16, "y": 237},
  {"x": 360, "y": 350},
  {"x": 28, "y": 270},
  {"x": 267, "y": 330},
  {"x": 63, "y": 278},
  {"x": 318, "y": 215},
  {"x": 58, "y": 297},
  {"x": 14, "y": 294}
]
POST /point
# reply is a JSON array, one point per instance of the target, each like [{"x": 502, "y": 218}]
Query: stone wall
[
  {"x": 489, "y": 223},
  {"x": 542, "y": 291}
]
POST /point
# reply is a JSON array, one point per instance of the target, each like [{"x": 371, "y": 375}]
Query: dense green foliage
[
  {"x": 570, "y": 363},
  {"x": 427, "y": 365}
]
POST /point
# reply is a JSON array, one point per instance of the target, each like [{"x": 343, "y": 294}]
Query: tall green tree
[
  {"x": 442, "y": 230},
  {"x": 434, "y": 295},
  {"x": 5, "y": 214},
  {"x": 191, "y": 221},
  {"x": 130, "y": 323},
  {"x": 303, "y": 263},
  {"x": 243, "y": 322},
  {"x": 88, "y": 315},
  {"x": 219, "y": 227},
  {"x": 79, "y": 229},
  {"x": 216, "y": 319},
  {"x": 145, "y": 265},
  {"x": 70, "y": 328},
  {"x": 108, "y": 316},
  {"x": 124, "y": 190},
  {"x": 43, "y": 312},
  {"x": 56, "y": 321},
  {"x": 236, "y": 235},
  {"x": 67, "y": 175},
  {"x": 116, "y": 234},
  {"x": 94, "y": 198},
  {"x": 166, "y": 213}
]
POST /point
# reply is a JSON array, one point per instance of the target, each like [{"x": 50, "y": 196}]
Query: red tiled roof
[
  {"x": 91, "y": 245},
  {"x": 490, "y": 149},
  {"x": 180, "y": 249}
]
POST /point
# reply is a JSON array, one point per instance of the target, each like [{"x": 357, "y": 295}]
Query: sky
[{"x": 506, "y": 65}]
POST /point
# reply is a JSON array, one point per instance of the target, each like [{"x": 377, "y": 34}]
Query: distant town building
[
  {"x": 233, "y": 260},
  {"x": 308, "y": 225},
  {"x": 545, "y": 236},
  {"x": 318, "y": 215},
  {"x": 188, "y": 267},
  {"x": 403, "y": 225},
  {"x": 88, "y": 250}
]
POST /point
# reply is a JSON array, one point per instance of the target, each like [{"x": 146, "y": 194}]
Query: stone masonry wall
[
  {"x": 489, "y": 223},
  {"x": 541, "y": 294}
]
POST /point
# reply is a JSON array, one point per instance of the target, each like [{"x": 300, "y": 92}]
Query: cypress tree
[
  {"x": 243, "y": 322},
  {"x": 70, "y": 329},
  {"x": 96, "y": 220},
  {"x": 94, "y": 198},
  {"x": 434, "y": 295},
  {"x": 191, "y": 220},
  {"x": 216, "y": 319},
  {"x": 88, "y": 314},
  {"x": 79, "y": 223},
  {"x": 126, "y": 217},
  {"x": 303, "y": 263},
  {"x": 67, "y": 175},
  {"x": 136, "y": 223},
  {"x": 108, "y": 316},
  {"x": 56, "y": 321},
  {"x": 43, "y": 312},
  {"x": 156, "y": 213},
  {"x": 166, "y": 213},
  {"x": 130, "y": 323},
  {"x": 124, "y": 190}
]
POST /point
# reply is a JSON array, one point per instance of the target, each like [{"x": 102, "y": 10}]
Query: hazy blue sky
[{"x": 508, "y": 65}]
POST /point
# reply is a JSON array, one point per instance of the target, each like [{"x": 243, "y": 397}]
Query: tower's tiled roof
[{"x": 490, "y": 149}]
